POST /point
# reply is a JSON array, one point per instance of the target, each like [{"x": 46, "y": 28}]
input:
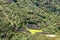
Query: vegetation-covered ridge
[{"x": 16, "y": 15}]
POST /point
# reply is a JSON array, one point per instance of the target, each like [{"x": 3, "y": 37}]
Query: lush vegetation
[{"x": 16, "y": 14}]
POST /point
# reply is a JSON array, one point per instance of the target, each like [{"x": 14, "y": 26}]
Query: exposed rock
[
  {"x": 51, "y": 35},
  {"x": 32, "y": 26}
]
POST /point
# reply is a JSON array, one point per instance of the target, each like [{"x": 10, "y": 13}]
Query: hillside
[{"x": 18, "y": 15}]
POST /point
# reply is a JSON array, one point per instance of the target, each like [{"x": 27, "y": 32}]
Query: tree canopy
[{"x": 16, "y": 14}]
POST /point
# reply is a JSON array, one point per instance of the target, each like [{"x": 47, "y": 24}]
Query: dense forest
[{"x": 18, "y": 16}]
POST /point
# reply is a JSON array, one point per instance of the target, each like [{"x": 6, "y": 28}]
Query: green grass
[{"x": 33, "y": 31}]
